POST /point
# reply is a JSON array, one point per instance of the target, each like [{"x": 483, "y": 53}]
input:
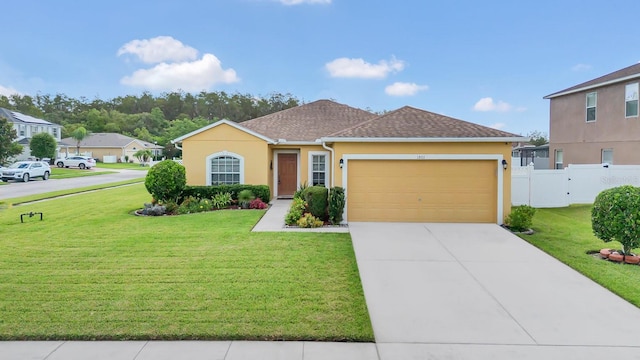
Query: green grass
[
  {"x": 64, "y": 173},
  {"x": 566, "y": 234},
  {"x": 60, "y": 193},
  {"x": 91, "y": 270},
  {"x": 129, "y": 166}
]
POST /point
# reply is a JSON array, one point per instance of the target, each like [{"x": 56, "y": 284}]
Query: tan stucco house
[
  {"x": 408, "y": 165},
  {"x": 101, "y": 145},
  {"x": 596, "y": 121}
]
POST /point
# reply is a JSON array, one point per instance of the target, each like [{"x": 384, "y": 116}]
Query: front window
[
  {"x": 559, "y": 159},
  {"x": 225, "y": 170},
  {"x": 607, "y": 156},
  {"x": 592, "y": 99},
  {"x": 55, "y": 132},
  {"x": 22, "y": 129},
  {"x": 319, "y": 170},
  {"x": 631, "y": 100}
]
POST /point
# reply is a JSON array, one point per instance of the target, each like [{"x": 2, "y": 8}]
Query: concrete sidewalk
[
  {"x": 478, "y": 291},
  {"x": 184, "y": 350}
]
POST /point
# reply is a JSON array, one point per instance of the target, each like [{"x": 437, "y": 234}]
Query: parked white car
[
  {"x": 83, "y": 162},
  {"x": 26, "y": 170}
]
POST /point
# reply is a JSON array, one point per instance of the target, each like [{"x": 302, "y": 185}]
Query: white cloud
[
  {"x": 498, "y": 126},
  {"x": 8, "y": 91},
  {"x": 188, "y": 76},
  {"x": 159, "y": 49},
  {"x": 581, "y": 67},
  {"x": 358, "y": 68},
  {"x": 487, "y": 104},
  {"x": 404, "y": 89},
  {"x": 298, "y": 2}
]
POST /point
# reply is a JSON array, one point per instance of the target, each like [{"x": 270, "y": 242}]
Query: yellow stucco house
[
  {"x": 408, "y": 165},
  {"x": 102, "y": 146}
]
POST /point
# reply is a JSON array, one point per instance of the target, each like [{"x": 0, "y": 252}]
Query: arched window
[{"x": 225, "y": 168}]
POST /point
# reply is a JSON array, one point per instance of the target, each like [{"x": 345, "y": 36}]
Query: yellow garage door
[{"x": 422, "y": 191}]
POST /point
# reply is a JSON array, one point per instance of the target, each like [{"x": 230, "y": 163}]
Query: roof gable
[
  {"x": 221, "y": 122},
  {"x": 308, "y": 122},
  {"x": 628, "y": 73},
  {"x": 411, "y": 123}
]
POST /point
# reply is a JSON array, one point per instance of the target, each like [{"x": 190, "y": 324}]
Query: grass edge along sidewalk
[{"x": 566, "y": 234}]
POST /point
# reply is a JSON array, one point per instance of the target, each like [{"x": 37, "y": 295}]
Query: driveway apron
[{"x": 435, "y": 285}]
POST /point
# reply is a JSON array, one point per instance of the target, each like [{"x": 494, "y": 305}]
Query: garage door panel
[{"x": 422, "y": 191}]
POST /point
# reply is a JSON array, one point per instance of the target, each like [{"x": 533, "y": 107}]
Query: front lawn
[
  {"x": 566, "y": 234},
  {"x": 130, "y": 166},
  {"x": 90, "y": 270},
  {"x": 64, "y": 173}
]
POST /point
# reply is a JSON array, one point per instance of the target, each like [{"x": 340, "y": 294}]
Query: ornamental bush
[
  {"x": 616, "y": 216},
  {"x": 296, "y": 210},
  {"x": 309, "y": 221},
  {"x": 165, "y": 181},
  {"x": 521, "y": 218},
  {"x": 317, "y": 200},
  {"x": 336, "y": 205}
]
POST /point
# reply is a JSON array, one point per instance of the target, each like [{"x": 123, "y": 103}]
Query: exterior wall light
[
  {"x": 504, "y": 164},
  {"x": 341, "y": 163}
]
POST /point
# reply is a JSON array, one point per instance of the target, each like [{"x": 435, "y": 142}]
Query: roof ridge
[{"x": 600, "y": 80}]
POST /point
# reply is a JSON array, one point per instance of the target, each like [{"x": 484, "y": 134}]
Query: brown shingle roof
[
  {"x": 625, "y": 73},
  {"x": 308, "y": 122},
  {"x": 409, "y": 122}
]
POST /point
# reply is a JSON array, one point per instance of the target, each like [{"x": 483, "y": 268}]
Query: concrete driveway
[{"x": 477, "y": 291}]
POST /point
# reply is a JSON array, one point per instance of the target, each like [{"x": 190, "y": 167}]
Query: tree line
[{"x": 147, "y": 117}]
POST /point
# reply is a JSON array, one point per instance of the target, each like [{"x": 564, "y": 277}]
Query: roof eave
[
  {"x": 425, "y": 139},
  {"x": 594, "y": 86}
]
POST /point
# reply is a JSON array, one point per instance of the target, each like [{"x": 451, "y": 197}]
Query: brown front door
[{"x": 287, "y": 174}]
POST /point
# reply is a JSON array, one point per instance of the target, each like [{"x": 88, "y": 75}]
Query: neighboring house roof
[
  {"x": 628, "y": 73},
  {"x": 17, "y": 117},
  {"x": 308, "y": 122},
  {"x": 107, "y": 140},
  {"x": 411, "y": 123}
]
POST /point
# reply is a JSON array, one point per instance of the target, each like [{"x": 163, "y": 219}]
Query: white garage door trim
[{"x": 418, "y": 157}]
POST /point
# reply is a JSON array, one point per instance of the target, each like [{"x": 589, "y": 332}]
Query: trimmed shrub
[
  {"x": 244, "y": 198},
  {"x": 298, "y": 194},
  {"x": 336, "y": 205},
  {"x": 317, "y": 200},
  {"x": 208, "y": 192},
  {"x": 309, "y": 221},
  {"x": 521, "y": 218},
  {"x": 616, "y": 216},
  {"x": 296, "y": 210},
  {"x": 166, "y": 180}
]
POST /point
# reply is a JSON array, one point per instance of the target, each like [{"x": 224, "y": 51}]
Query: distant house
[
  {"x": 109, "y": 147},
  {"x": 26, "y": 126},
  {"x": 597, "y": 121},
  {"x": 524, "y": 155}
]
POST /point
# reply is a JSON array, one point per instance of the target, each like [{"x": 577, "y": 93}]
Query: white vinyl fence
[{"x": 575, "y": 184}]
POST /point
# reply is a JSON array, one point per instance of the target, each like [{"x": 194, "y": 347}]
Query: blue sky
[{"x": 487, "y": 62}]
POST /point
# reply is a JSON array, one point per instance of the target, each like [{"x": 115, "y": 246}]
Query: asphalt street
[{"x": 38, "y": 186}]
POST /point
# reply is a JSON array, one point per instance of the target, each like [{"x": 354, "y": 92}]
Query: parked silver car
[
  {"x": 26, "y": 170},
  {"x": 83, "y": 162}
]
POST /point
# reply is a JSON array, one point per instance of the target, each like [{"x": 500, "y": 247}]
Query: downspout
[{"x": 333, "y": 162}]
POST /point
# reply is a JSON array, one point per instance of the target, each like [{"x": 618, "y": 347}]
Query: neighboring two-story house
[
  {"x": 596, "y": 121},
  {"x": 26, "y": 126}
]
